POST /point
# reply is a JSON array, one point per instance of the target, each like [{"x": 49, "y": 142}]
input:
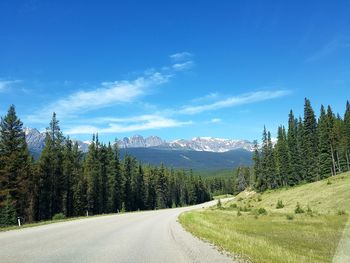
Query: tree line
[
  {"x": 309, "y": 149},
  {"x": 65, "y": 181}
]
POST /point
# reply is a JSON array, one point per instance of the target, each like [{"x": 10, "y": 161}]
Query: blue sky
[{"x": 176, "y": 69}]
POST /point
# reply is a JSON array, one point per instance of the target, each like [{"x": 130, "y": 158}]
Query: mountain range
[
  {"x": 205, "y": 144},
  {"x": 196, "y": 153}
]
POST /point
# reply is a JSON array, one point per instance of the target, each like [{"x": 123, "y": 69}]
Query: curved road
[{"x": 150, "y": 236}]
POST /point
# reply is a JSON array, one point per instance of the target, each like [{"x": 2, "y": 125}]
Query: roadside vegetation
[
  {"x": 66, "y": 183},
  {"x": 255, "y": 225},
  {"x": 294, "y": 203}
]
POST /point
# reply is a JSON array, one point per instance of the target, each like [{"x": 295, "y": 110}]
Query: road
[{"x": 150, "y": 236}]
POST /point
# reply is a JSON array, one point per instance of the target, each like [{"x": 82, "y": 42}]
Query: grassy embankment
[{"x": 252, "y": 226}]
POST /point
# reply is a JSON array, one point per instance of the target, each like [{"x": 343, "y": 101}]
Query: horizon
[{"x": 156, "y": 72}]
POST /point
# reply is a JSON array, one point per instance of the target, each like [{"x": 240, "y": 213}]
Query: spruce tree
[
  {"x": 264, "y": 161},
  {"x": 257, "y": 167},
  {"x": 51, "y": 172},
  {"x": 347, "y": 135},
  {"x": 14, "y": 168},
  {"x": 79, "y": 183},
  {"x": 162, "y": 188},
  {"x": 92, "y": 177},
  {"x": 140, "y": 190},
  {"x": 283, "y": 160},
  {"x": 324, "y": 144},
  {"x": 116, "y": 181},
  {"x": 310, "y": 142},
  {"x": 272, "y": 178},
  {"x": 292, "y": 141},
  {"x": 128, "y": 175}
]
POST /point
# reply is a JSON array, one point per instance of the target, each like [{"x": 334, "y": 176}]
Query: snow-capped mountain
[
  {"x": 207, "y": 144},
  {"x": 36, "y": 142},
  {"x": 137, "y": 141},
  {"x": 210, "y": 144}
]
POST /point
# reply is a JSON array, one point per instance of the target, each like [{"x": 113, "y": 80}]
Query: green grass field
[{"x": 244, "y": 228}]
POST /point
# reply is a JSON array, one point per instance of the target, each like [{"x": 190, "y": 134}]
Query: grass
[
  {"x": 222, "y": 196},
  {"x": 280, "y": 234}
]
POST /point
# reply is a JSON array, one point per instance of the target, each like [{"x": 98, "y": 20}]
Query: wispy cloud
[
  {"x": 6, "y": 84},
  {"x": 72, "y": 109},
  {"x": 183, "y": 66},
  {"x": 215, "y": 120},
  {"x": 181, "y": 56},
  {"x": 235, "y": 101},
  {"x": 328, "y": 49},
  {"x": 109, "y": 93},
  {"x": 209, "y": 97},
  {"x": 132, "y": 124}
]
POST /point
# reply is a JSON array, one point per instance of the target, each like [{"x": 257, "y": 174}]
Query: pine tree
[
  {"x": 257, "y": 167},
  {"x": 292, "y": 141},
  {"x": 70, "y": 176},
  {"x": 241, "y": 180},
  {"x": 79, "y": 183},
  {"x": 324, "y": 143},
  {"x": 310, "y": 142},
  {"x": 140, "y": 190},
  {"x": 151, "y": 189},
  {"x": 128, "y": 175},
  {"x": 162, "y": 188},
  {"x": 300, "y": 148},
  {"x": 115, "y": 180},
  {"x": 283, "y": 160},
  {"x": 51, "y": 172},
  {"x": 14, "y": 168},
  {"x": 346, "y": 135},
  {"x": 339, "y": 144},
  {"x": 104, "y": 165},
  {"x": 92, "y": 177},
  {"x": 272, "y": 178},
  {"x": 264, "y": 161}
]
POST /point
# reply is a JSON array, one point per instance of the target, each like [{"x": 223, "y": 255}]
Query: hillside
[
  {"x": 258, "y": 231},
  {"x": 196, "y": 160}
]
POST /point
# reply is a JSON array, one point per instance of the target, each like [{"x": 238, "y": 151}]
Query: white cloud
[
  {"x": 215, "y": 120},
  {"x": 235, "y": 101},
  {"x": 183, "y": 66},
  {"x": 109, "y": 93},
  {"x": 132, "y": 124},
  {"x": 209, "y": 97},
  {"x": 181, "y": 56},
  {"x": 5, "y": 84}
]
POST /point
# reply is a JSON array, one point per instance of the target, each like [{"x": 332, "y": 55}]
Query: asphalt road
[{"x": 150, "y": 236}]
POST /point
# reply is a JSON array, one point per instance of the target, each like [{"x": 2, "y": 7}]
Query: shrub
[
  {"x": 329, "y": 181},
  {"x": 298, "y": 209},
  {"x": 341, "y": 212},
  {"x": 239, "y": 212},
  {"x": 239, "y": 199},
  {"x": 290, "y": 217},
  {"x": 262, "y": 211},
  {"x": 309, "y": 210},
  {"x": 233, "y": 206},
  {"x": 279, "y": 204},
  {"x": 259, "y": 198},
  {"x": 219, "y": 204},
  {"x": 58, "y": 216},
  {"x": 123, "y": 210},
  {"x": 245, "y": 209}
]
